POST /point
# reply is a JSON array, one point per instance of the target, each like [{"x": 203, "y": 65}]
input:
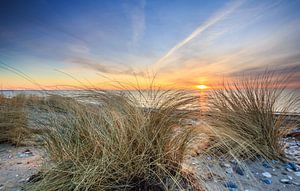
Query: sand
[{"x": 17, "y": 165}]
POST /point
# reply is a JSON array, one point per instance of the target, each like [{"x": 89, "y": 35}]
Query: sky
[{"x": 54, "y": 44}]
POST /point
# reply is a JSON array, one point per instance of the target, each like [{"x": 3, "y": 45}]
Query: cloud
[
  {"x": 79, "y": 49},
  {"x": 221, "y": 39},
  {"x": 229, "y": 9},
  {"x": 104, "y": 66},
  {"x": 290, "y": 69},
  {"x": 136, "y": 13}
]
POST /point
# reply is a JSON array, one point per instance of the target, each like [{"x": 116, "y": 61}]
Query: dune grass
[
  {"x": 13, "y": 120},
  {"x": 50, "y": 102},
  {"x": 242, "y": 115},
  {"x": 120, "y": 144}
]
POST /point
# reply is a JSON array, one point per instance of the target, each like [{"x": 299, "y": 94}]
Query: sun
[{"x": 201, "y": 87}]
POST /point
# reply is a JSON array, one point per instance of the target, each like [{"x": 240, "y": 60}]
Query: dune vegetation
[
  {"x": 13, "y": 120},
  {"x": 14, "y": 116},
  {"x": 119, "y": 144},
  {"x": 249, "y": 116}
]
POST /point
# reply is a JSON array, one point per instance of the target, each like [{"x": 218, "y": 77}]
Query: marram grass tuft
[
  {"x": 119, "y": 144},
  {"x": 248, "y": 117},
  {"x": 13, "y": 120}
]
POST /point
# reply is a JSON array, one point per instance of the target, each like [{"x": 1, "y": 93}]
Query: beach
[{"x": 19, "y": 164}]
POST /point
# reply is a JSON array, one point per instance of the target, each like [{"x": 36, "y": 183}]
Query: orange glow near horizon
[{"x": 90, "y": 80}]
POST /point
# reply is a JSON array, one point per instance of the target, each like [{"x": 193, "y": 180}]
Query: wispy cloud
[
  {"x": 136, "y": 13},
  {"x": 79, "y": 49},
  {"x": 229, "y": 9},
  {"x": 105, "y": 67}
]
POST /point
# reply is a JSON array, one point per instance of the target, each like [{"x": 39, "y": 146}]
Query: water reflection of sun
[
  {"x": 202, "y": 93},
  {"x": 201, "y": 87}
]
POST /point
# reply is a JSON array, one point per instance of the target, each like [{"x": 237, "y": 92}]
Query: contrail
[{"x": 212, "y": 21}]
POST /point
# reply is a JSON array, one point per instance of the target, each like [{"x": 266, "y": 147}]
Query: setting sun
[{"x": 201, "y": 87}]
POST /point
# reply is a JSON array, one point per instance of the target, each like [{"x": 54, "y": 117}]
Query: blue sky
[{"x": 185, "y": 42}]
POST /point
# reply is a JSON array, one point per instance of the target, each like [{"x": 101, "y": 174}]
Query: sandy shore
[{"x": 17, "y": 165}]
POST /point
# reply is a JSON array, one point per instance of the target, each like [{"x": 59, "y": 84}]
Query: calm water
[{"x": 202, "y": 95}]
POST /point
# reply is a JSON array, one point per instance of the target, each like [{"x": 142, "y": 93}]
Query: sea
[{"x": 202, "y": 94}]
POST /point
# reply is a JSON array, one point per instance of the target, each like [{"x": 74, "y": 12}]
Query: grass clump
[
  {"x": 120, "y": 144},
  {"x": 50, "y": 103},
  {"x": 242, "y": 115},
  {"x": 13, "y": 120}
]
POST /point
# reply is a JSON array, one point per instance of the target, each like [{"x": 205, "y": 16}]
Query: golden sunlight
[{"x": 201, "y": 87}]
